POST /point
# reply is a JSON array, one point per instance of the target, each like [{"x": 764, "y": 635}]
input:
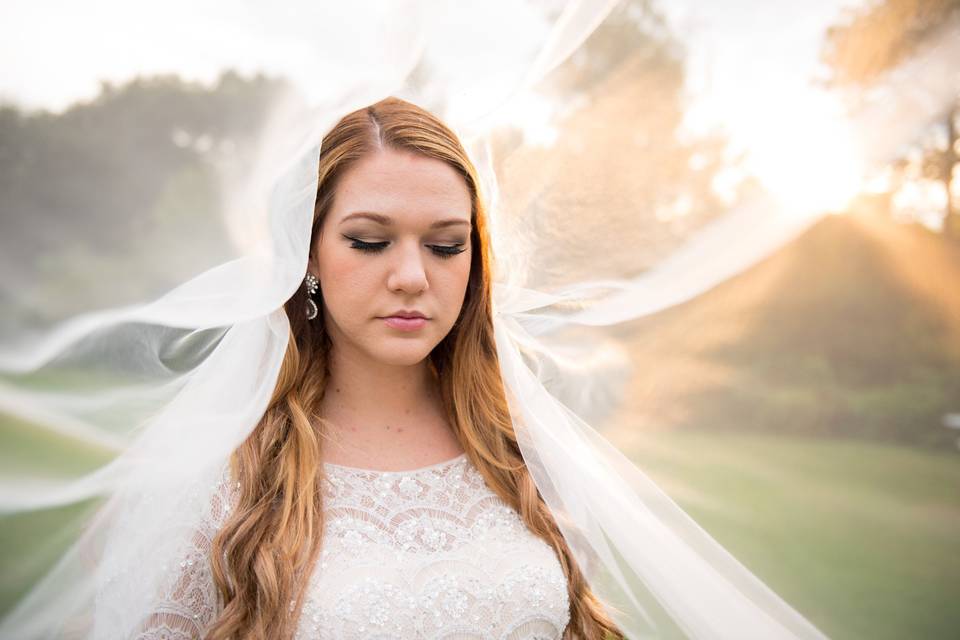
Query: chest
[{"x": 431, "y": 553}]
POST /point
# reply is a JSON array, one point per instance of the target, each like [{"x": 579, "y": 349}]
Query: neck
[{"x": 364, "y": 395}]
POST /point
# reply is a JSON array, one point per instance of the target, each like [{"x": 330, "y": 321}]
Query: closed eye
[{"x": 440, "y": 250}]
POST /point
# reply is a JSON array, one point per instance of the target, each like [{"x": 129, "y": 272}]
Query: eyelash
[{"x": 441, "y": 251}]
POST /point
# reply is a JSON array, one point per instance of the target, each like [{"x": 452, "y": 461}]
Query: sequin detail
[{"x": 427, "y": 553}]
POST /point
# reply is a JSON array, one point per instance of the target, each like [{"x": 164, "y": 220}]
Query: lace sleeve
[{"x": 188, "y": 604}]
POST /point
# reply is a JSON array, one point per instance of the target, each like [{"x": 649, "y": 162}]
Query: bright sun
[{"x": 807, "y": 157}]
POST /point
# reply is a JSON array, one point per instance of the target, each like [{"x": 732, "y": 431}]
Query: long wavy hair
[{"x": 264, "y": 553}]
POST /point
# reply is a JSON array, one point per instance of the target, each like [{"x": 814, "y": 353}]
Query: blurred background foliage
[{"x": 125, "y": 169}]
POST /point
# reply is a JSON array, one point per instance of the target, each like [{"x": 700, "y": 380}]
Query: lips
[
  {"x": 406, "y": 313},
  {"x": 405, "y": 323}
]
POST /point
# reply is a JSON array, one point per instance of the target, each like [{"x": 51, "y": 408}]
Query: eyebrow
[{"x": 386, "y": 221}]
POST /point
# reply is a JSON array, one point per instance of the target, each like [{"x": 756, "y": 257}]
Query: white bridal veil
[{"x": 156, "y": 385}]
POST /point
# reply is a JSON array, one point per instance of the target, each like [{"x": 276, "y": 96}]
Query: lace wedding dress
[{"x": 423, "y": 553}]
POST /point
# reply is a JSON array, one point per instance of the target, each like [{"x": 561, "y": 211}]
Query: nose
[{"x": 407, "y": 273}]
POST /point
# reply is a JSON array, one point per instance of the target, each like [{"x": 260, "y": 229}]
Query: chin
[
  {"x": 403, "y": 354},
  {"x": 399, "y": 360}
]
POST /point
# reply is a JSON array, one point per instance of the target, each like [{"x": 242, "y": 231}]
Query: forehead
[{"x": 404, "y": 186}]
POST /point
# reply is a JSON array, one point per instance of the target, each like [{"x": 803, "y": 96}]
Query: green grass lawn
[{"x": 862, "y": 538}]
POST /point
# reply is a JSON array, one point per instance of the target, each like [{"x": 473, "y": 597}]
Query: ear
[{"x": 312, "y": 265}]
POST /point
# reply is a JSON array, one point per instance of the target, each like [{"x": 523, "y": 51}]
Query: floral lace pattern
[
  {"x": 426, "y": 553},
  {"x": 188, "y": 604}
]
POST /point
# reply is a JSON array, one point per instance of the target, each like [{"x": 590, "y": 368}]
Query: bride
[{"x": 383, "y": 493}]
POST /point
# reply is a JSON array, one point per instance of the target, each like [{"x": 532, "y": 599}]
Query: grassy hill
[
  {"x": 795, "y": 412},
  {"x": 853, "y": 329}
]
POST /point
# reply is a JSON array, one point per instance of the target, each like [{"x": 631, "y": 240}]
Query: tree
[
  {"x": 622, "y": 172},
  {"x": 120, "y": 176},
  {"x": 872, "y": 40}
]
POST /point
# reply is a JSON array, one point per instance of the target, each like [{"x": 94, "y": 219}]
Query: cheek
[
  {"x": 345, "y": 281},
  {"x": 453, "y": 282}
]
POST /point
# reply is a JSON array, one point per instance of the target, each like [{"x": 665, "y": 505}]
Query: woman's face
[{"x": 395, "y": 243}]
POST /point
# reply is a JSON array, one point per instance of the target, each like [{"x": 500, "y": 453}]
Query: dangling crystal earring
[{"x": 311, "y": 283}]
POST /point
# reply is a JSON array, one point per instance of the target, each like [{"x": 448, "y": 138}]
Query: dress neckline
[{"x": 436, "y": 465}]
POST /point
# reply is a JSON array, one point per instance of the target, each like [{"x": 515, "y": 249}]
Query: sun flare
[{"x": 807, "y": 157}]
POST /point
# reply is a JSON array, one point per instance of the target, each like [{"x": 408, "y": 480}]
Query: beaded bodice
[{"x": 425, "y": 553}]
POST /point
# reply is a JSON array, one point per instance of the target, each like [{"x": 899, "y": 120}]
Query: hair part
[{"x": 264, "y": 553}]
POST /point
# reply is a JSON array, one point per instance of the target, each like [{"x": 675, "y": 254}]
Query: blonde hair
[{"x": 263, "y": 554}]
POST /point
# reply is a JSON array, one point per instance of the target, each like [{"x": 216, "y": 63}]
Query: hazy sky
[
  {"x": 749, "y": 61},
  {"x": 56, "y": 51}
]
